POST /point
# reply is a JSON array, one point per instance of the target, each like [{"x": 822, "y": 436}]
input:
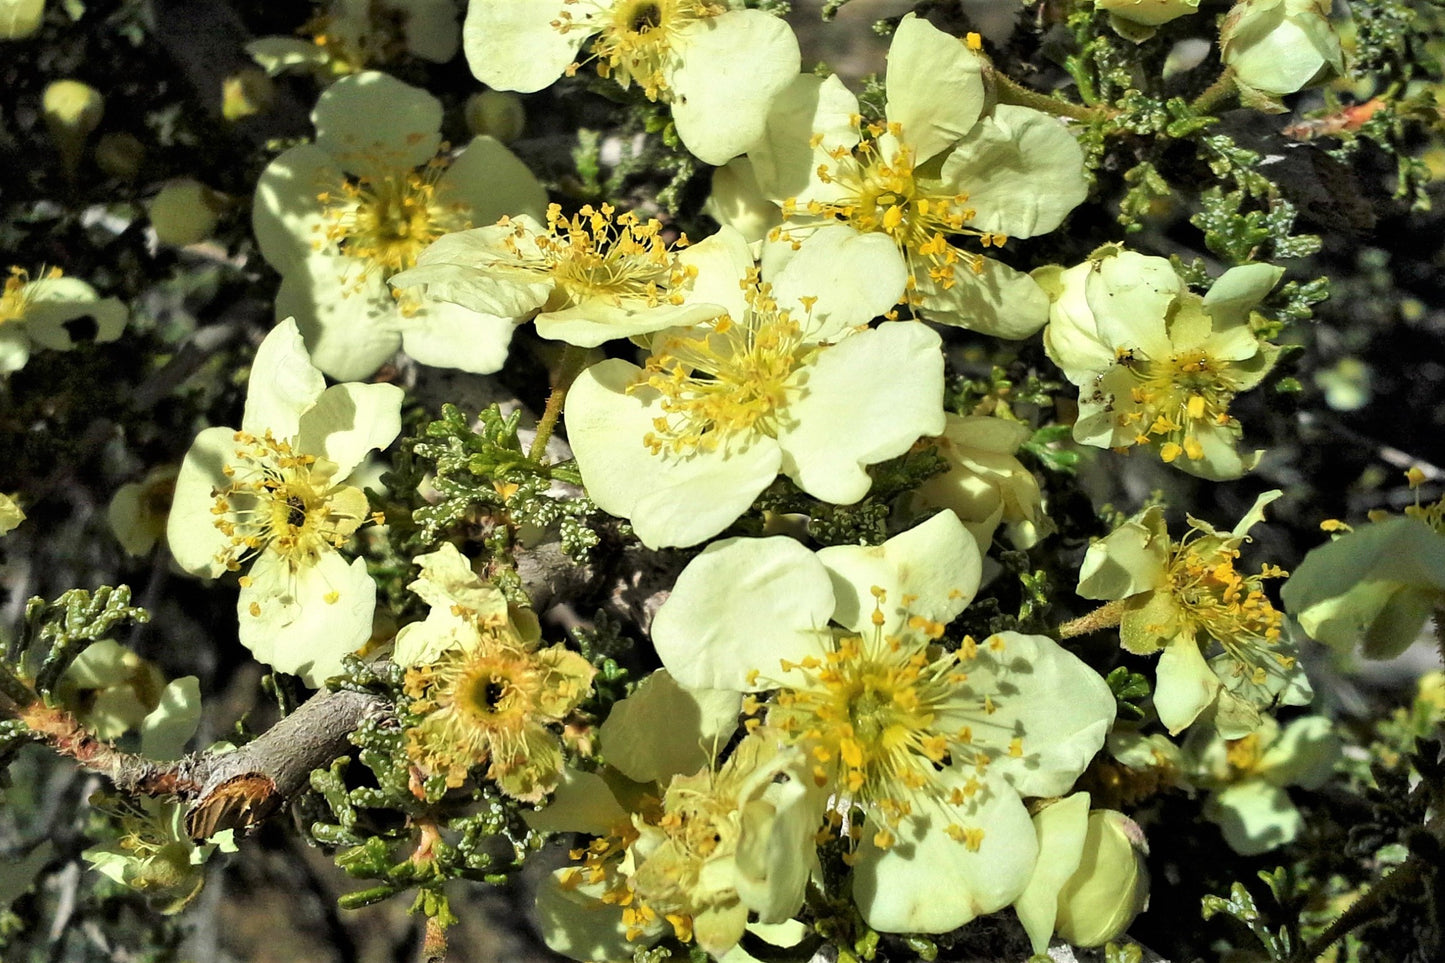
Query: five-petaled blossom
[
  {"x": 938, "y": 169},
  {"x": 1157, "y": 364},
  {"x": 339, "y": 217},
  {"x": 485, "y": 691},
  {"x": 783, "y": 382},
  {"x": 1220, "y": 635},
  {"x": 717, "y": 66},
  {"x": 936, "y": 742},
  {"x": 274, "y": 494}
]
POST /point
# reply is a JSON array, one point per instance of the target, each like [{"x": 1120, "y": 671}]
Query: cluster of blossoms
[{"x": 806, "y": 699}]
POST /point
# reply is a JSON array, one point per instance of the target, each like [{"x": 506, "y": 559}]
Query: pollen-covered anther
[
  {"x": 383, "y": 222},
  {"x": 729, "y": 379},
  {"x": 281, "y": 501}
]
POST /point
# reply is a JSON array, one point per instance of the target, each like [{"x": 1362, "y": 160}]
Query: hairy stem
[
  {"x": 1010, "y": 91},
  {"x": 573, "y": 360},
  {"x": 1105, "y": 616},
  {"x": 1216, "y": 93}
]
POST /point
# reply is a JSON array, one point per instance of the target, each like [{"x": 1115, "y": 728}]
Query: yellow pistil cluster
[
  {"x": 883, "y": 716},
  {"x": 384, "y": 222},
  {"x": 601, "y": 867},
  {"x": 282, "y": 501},
  {"x": 1243, "y": 755},
  {"x": 600, "y": 255},
  {"x": 636, "y": 40},
  {"x": 884, "y": 193},
  {"x": 730, "y": 379},
  {"x": 15, "y": 300},
  {"x": 1174, "y": 397},
  {"x": 488, "y": 701},
  {"x": 1228, "y": 606}
]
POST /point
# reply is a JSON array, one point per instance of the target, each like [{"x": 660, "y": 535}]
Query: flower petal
[
  {"x": 932, "y": 570},
  {"x": 1254, "y": 816},
  {"x": 786, "y": 160},
  {"x": 512, "y": 45},
  {"x": 351, "y": 326},
  {"x": 492, "y": 181},
  {"x": 899, "y": 889},
  {"x": 1061, "y": 712},
  {"x": 663, "y": 729},
  {"x": 731, "y": 68},
  {"x": 998, "y": 301},
  {"x": 741, "y": 605},
  {"x": 191, "y": 531},
  {"x": 934, "y": 86},
  {"x": 446, "y": 335},
  {"x": 303, "y": 621},
  {"x": 1022, "y": 170},
  {"x": 1061, "y": 828},
  {"x": 287, "y": 214},
  {"x": 374, "y": 124},
  {"x": 283, "y": 383},
  {"x": 866, "y": 399},
  {"x": 350, "y": 420},
  {"x": 1184, "y": 685},
  {"x": 840, "y": 279}
]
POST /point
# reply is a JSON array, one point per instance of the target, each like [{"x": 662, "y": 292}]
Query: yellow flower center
[
  {"x": 489, "y": 700},
  {"x": 1228, "y": 606},
  {"x": 1176, "y": 396},
  {"x": 15, "y": 300},
  {"x": 1243, "y": 755},
  {"x": 636, "y": 40},
  {"x": 884, "y": 716},
  {"x": 385, "y": 222},
  {"x": 729, "y": 380},
  {"x": 882, "y": 192},
  {"x": 600, "y": 255},
  {"x": 282, "y": 501}
]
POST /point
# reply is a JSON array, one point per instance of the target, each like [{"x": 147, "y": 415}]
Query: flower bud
[
  {"x": 72, "y": 112},
  {"x": 184, "y": 212},
  {"x": 246, "y": 92},
  {"x": 1148, "y": 12},
  {"x": 1280, "y": 46},
  {"x": 120, "y": 154},
  {"x": 1136, "y": 20},
  {"x": 1111, "y": 885},
  {"x": 497, "y": 114},
  {"x": 20, "y": 19}
]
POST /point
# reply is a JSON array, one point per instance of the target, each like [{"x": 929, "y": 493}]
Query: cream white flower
[
  {"x": 1247, "y": 778},
  {"x": 984, "y": 484},
  {"x": 1091, "y": 879},
  {"x": 935, "y": 743},
  {"x": 485, "y": 689},
  {"x": 348, "y": 36},
  {"x": 698, "y": 847},
  {"x": 940, "y": 168},
  {"x": 339, "y": 217},
  {"x": 1280, "y": 46},
  {"x": 586, "y": 279},
  {"x": 51, "y": 311},
  {"x": 1158, "y": 365},
  {"x": 683, "y": 445},
  {"x": 1219, "y": 637},
  {"x": 717, "y": 66},
  {"x": 274, "y": 494}
]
